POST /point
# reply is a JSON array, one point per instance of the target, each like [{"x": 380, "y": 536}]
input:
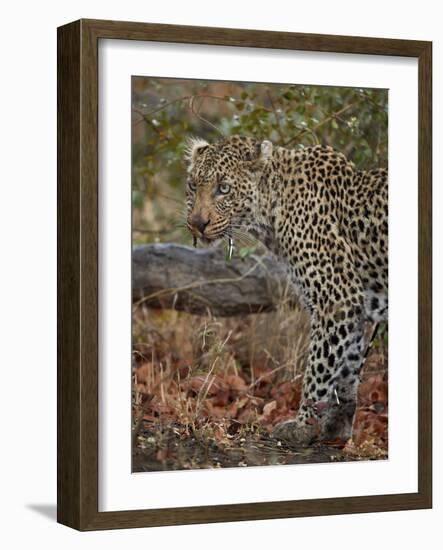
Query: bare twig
[
  {"x": 157, "y": 231},
  {"x": 146, "y": 116},
  {"x": 330, "y": 117},
  {"x": 196, "y": 113}
]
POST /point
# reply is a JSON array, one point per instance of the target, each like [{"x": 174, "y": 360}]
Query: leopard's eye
[
  {"x": 224, "y": 188},
  {"x": 192, "y": 186}
]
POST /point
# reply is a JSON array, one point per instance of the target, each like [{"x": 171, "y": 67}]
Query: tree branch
[
  {"x": 197, "y": 280},
  {"x": 332, "y": 116}
]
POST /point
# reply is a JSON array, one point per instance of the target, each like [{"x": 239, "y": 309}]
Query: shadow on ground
[{"x": 48, "y": 511}]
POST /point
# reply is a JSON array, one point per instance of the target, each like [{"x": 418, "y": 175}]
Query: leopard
[{"x": 327, "y": 222}]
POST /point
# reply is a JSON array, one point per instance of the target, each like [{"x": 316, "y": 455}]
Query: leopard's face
[{"x": 222, "y": 186}]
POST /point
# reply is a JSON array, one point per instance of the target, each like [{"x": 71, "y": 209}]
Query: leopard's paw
[{"x": 295, "y": 432}]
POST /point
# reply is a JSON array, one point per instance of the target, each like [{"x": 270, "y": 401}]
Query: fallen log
[{"x": 197, "y": 280}]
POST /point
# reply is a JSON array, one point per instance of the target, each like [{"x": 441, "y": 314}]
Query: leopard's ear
[
  {"x": 194, "y": 148},
  {"x": 266, "y": 149},
  {"x": 264, "y": 153}
]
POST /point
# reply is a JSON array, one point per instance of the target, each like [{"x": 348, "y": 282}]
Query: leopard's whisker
[{"x": 247, "y": 239}]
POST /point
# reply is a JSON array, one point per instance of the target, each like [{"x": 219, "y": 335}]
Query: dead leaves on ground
[
  {"x": 214, "y": 393},
  {"x": 370, "y": 434},
  {"x": 220, "y": 406}
]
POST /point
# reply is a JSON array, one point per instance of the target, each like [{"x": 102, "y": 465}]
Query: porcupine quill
[{"x": 230, "y": 248}]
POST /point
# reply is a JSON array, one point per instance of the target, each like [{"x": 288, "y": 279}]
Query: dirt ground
[{"x": 172, "y": 448}]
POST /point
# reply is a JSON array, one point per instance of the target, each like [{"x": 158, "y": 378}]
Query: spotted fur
[{"x": 328, "y": 222}]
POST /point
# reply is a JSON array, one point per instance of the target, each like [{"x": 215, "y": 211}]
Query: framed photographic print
[{"x": 236, "y": 210}]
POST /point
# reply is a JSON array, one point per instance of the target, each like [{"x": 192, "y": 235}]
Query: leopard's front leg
[{"x": 331, "y": 378}]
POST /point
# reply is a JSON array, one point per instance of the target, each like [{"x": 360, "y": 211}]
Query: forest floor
[
  {"x": 201, "y": 400},
  {"x": 177, "y": 447}
]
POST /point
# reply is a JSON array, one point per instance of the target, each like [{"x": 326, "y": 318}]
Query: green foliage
[{"x": 167, "y": 111}]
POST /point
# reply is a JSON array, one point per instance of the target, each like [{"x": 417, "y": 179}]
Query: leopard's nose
[{"x": 200, "y": 223}]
